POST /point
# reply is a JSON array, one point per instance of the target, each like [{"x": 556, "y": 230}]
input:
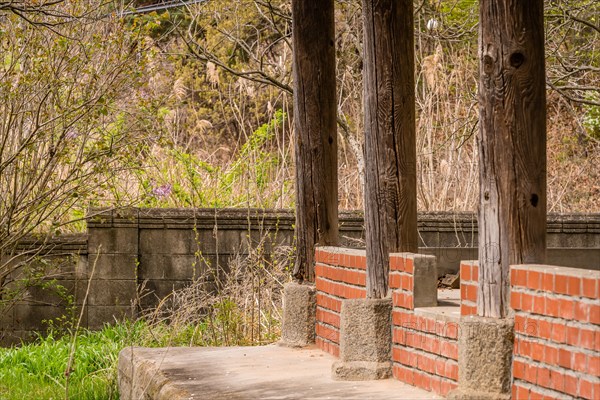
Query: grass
[{"x": 37, "y": 370}]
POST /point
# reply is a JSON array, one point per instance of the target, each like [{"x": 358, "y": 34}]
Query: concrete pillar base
[
  {"x": 360, "y": 370},
  {"x": 299, "y": 315},
  {"x": 365, "y": 338},
  {"x": 485, "y": 347}
]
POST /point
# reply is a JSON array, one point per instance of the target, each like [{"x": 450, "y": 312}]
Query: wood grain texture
[
  {"x": 390, "y": 144},
  {"x": 512, "y": 146},
  {"x": 313, "y": 35}
]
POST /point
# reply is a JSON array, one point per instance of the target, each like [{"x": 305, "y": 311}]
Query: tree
[{"x": 64, "y": 132}]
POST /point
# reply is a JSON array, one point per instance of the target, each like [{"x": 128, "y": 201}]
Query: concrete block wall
[
  {"x": 59, "y": 259},
  {"x": 557, "y": 332},
  {"x": 340, "y": 274}
]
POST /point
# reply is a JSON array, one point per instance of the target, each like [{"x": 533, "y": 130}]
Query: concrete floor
[{"x": 266, "y": 372}]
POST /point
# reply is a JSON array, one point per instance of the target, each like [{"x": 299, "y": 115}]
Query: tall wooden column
[
  {"x": 512, "y": 146},
  {"x": 313, "y": 35},
  {"x": 390, "y": 144}
]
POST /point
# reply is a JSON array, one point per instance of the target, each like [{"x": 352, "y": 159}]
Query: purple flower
[{"x": 162, "y": 191}]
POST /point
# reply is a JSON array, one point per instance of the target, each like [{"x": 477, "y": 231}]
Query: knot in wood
[
  {"x": 488, "y": 64},
  {"x": 516, "y": 59}
]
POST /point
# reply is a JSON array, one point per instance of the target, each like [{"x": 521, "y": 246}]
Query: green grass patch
[{"x": 37, "y": 370}]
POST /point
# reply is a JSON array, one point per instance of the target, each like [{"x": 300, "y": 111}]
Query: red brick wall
[
  {"x": 425, "y": 348},
  {"x": 469, "y": 276},
  {"x": 340, "y": 274},
  {"x": 557, "y": 332}
]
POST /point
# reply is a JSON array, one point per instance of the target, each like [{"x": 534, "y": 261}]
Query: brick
[
  {"x": 543, "y": 377},
  {"x": 564, "y": 358},
  {"x": 582, "y": 311},
  {"x": 557, "y": 380},
  {"x": 520, "y": 323},
  {"x": 595, "y": 314},
  {"x": 475, "y": 273},
  {"x": 409, "y": 266},
  {"x": 552, "y": 307},
  {"x": 465, "y": 273},
  {"x": 594, "y": 365},
  {"x": 573, "y": 285},
  {"x": 586, "y": 338},
  {"x": 328, "y": 333},
  {"x": 515, "y": 300},
  {"x": 328, "y": 317},
  {"x": 533, "y": 395},
  {"x": 423, "y": 381},
  {"x": 466, "y": 309},
  {"x": 544, "y": 329},
  {"x": 426, "y": 363},
  {"x": 570, "y": 384},
  {"x": 526, "y": 302},
  {"x": 539, "y": 304},
  {"x": 406, "y": 282},
  {"x": 586, "y": 389},
  {"x": 588, "y": 286},
  {"x": 436, "y": 384},
  {"x": 519, "y": 368},
  {"x": 580, "y": 362},
  {"x": 520, "y": 278},
  {"x": 394, "y": 280},
  {"x": 558, "y": 332},
  {"x": 560, "y": 284},
  {"x": 447, "y": 387},
  {"x": 449, "y": 350},
  {"x": 396, "y": 263},
  {"x": 534, "y": 280},
  {"x": 531, "y": 373},
  {"x": 472, "y": 292},
  {"x": 537, "y": 351},
  {"x": 548, "y": 282},
  {"x": 550, "y": 355},
  {"x": 451, "y": 370},
  {"x": 522, "y": 393},
  {"x": 572, "y": 335},
  {"x": 404, "y": 374},
  {"x": 566, "y": 308}
]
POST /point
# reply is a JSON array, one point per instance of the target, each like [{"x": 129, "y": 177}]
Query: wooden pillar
[
  {"x": 512, "y": 146},
  {"x": 313, "y": 35},
  {"x": 390, "y": 144}
]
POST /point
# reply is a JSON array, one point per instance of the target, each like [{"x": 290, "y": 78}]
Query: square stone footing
[
  {"x": 360, "y": 370},
  {"x": 365, "y": 340},
  {"x": 485, "y": 347},
  {"x": 299, "y": 315}
]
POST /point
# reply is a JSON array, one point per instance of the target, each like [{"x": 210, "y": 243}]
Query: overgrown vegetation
[
  {"x": 240, "y": 308},
  {"x": 191, "y": 107}
]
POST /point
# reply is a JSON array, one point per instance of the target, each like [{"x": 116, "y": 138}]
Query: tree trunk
[
  {"x": 390, "y": 144},
  {"x": 313, "y": 35},
  {"x": 512, "y": 146}
]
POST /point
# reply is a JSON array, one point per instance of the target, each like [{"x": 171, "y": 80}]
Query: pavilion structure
[{"x": 512, "y": 159}]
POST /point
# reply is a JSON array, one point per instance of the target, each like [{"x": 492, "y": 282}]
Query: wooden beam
[
  {"x": 512, "y": 146},
  {"x": 390, "y": 144},
  {"x": 313, "y": 36}
]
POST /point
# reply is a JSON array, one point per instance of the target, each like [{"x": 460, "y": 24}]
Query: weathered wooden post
[
  {"x": 512, "y": 146},
  {"x": 390, "y": 184},
  {"x": 390, "y": 143},
  {"x": 313, "y": 38},
  {"x": 512, "y": 173}
]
